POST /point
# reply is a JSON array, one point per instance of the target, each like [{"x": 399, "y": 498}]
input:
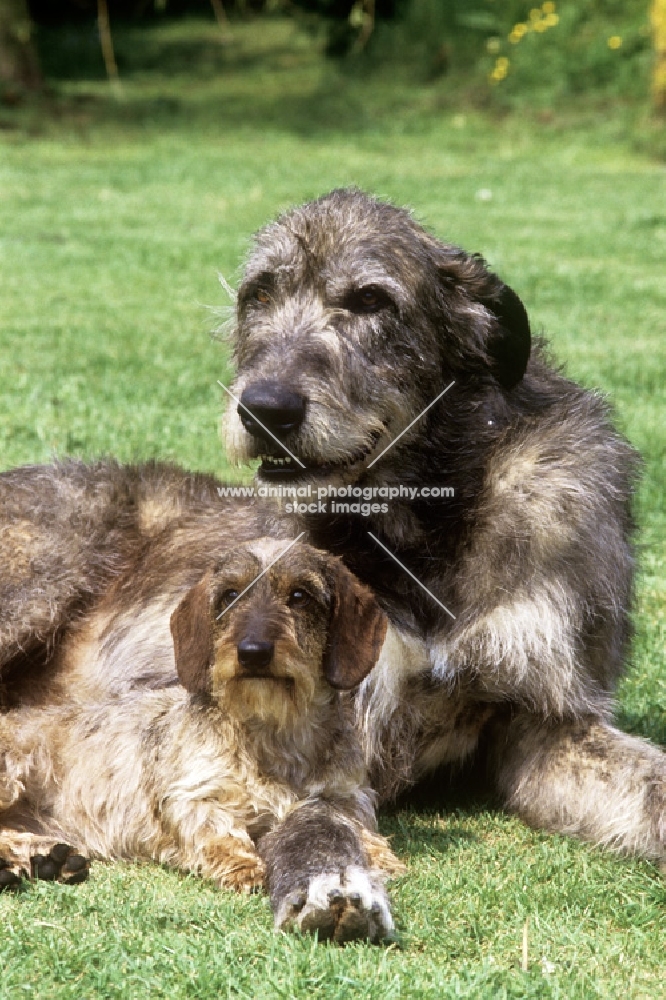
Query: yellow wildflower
[
  {"x": 614, "y": 42},
  {"x": 500, "y": 70},
  {"x": 517, "y": 32},
  {"x": 547, "y": 7}
]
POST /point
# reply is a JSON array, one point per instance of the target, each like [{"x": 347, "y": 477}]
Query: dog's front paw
[
  {"x": 346, "y": 906},
  {"x": 61, "y": 864},
  {"x": 11, "y": 876}
]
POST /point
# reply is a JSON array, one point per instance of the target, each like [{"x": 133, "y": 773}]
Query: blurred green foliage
[
  {"x": 494, "y": 53},
  {"x": 519, "y": 51}
]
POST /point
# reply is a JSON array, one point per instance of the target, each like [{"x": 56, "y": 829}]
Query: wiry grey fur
[{"x": 534, "y": 554}]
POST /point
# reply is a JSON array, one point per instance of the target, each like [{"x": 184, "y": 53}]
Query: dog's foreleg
[
  {"x": 379, "y": 854},
  {"x": 232, "y": 862},
  {"x": 25, "y": 763},
  {"x": 585, "y": 778},
  {"x": 319, "y": 877},
  {"x": 42, "y": 857}
]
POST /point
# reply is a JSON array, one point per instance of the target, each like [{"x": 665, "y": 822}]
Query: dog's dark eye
[
  {"x": 258, "y": 291},
  {"x": 298, "y": 598},
  {"x": 228, "y": 597},
  {"x": 368, "y": 299}
]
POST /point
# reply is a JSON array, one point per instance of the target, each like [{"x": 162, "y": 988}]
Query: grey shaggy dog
[
  {"x": 351, "y": 320},
  {"x": 367, "y": 318}
]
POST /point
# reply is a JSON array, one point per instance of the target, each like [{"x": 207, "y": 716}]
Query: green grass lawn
[{"x": 115, "y": 217}]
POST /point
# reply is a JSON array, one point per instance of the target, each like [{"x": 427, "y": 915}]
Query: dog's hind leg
[
  {"x": 64, "y": 529},
  {"x": 320, "y": 879},
  {"x": 68, "y": 530},
  {"x": 585, "y": 778}
]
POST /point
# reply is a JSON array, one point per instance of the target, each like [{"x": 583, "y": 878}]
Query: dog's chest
[{"x": 411, "y": 719}]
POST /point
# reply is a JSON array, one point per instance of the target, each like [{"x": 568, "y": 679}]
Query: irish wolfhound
[
  {"x": 209, "y": 776},
  {"x": 515, "y": 622}
]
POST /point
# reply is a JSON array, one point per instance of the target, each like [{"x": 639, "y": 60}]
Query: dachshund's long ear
[
  {"x": 356, "y": 630},
  {"x": 510, "y": 344},
  {"x": 192, "y": 631}
]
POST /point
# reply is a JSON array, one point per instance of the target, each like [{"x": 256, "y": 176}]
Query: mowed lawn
[{"x": 114, "y": 221}]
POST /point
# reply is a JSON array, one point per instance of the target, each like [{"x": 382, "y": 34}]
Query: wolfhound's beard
[{"x": 320, "y": 453}]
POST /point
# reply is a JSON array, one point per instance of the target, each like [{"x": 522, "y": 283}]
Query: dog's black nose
[
  {"x": 254, "y": 655},
  {"x": 279, "y": 409}
]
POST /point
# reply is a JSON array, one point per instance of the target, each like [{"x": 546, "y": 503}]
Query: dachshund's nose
[
  {"x": 254, "y": 656},
  {"x": 279, "y": 409}
]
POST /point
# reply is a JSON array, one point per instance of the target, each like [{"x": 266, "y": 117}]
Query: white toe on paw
[{"x": 340, "y": 906}]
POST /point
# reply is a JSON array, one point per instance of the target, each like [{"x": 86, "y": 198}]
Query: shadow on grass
[
  {"x": 412, "y": 838},
  {"x": 430, "y": 818},
  {"x": 192, "y": 47}
]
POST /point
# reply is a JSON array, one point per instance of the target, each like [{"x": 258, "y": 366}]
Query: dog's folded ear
[
  {"x": 356, "y": 630},
  {"x": 510, "y": 343},
  {"x": 192, "y": 631}
]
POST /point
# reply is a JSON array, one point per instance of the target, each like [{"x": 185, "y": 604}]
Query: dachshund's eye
[
  {"x": 262, "y": 296},
  {"x": 298, "y": 598},
  {"x": 368, "y": 299},
  {"x": 228, "y": 597}
]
